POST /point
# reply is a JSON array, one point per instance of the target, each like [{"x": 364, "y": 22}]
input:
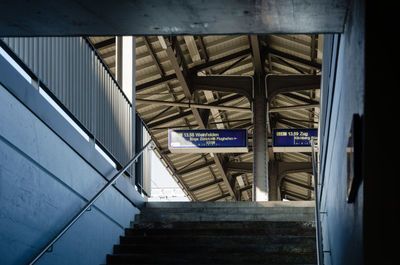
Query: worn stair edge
[
  {"x": 197, "y": 263},
  {"x": 299, "y": 247},
  {"x": 302, "y": 216},
  {"x": 229, "y": 204},
  {"x": 232, "y": 258},
  {"x": 298, "y": 230},
  {"x": 211, "y": 240},
  {"x": 229, "y": 210},
  {"x": 223, "y": 225}
]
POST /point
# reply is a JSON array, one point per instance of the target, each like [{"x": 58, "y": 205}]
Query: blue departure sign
[
  {"x": 207, "y": 141},
  {"x": 293, "y": 140}
]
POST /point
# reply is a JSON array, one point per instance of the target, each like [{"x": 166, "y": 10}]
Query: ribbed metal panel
[{"x": 71, "y": 70}]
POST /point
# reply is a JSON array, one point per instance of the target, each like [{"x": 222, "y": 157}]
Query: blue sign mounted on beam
[
  {"x": 207, "y": 141},
  {"x": 293, "y": 140}
]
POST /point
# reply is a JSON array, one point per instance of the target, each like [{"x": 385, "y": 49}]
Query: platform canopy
[
  {"x": 215, "y": 72},
  {"x": 195, "y": 63}
]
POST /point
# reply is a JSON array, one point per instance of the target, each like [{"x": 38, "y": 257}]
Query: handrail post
[
  {"x": 90, "y": 203},
  {"x": 317, "y": 213}
]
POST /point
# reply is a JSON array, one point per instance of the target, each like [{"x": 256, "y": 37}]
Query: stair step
[
  {"x": 299, "y": 246},
  {"x": 269, "y": 230},
  {"x": 223, "y": 210},
  {"x": 266, "y": 225},
  {"x": 212, "y": 240},
  {"x": 240, "y": 204},
  {"x": 183, "y": 217},
  {"x": 230, "y": 210},
  {"x": 246, "y": 233},
  {"x": 229, "y": 258},
  {"x": 198, "y": 263}
]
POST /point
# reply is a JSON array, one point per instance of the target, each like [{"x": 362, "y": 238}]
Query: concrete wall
[
  {"x": 43, "y": 183},
  {"x": 343, "y": 89}
]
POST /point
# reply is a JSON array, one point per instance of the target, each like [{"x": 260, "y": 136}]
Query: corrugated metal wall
[{"x": 71, "y": 70}]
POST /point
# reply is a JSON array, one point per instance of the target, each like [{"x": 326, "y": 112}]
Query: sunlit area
[{"x": 163, "y": 186}]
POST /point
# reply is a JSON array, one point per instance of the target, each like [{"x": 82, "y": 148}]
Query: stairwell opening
[{"x": 231, "y": 212}]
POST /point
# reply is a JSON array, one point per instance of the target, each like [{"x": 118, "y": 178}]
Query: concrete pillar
[
  {"x": 129, "y": 67},
  {"x": 273, "y": 181},
  {"x": 125, "y": 64},
  {"x": 125, "y": 73},
  {"x": 118, "y": 59},
  {"x": 260, "y": 143}
]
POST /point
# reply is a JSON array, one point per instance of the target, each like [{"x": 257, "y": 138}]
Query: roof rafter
[
  {"x": 217, "y": 181},
  {"x": 275, "y": 52},
  {"x": 196, "y": 113},
  {"x": 195, "y": 69},
  {"x": 104, "y": 43}
]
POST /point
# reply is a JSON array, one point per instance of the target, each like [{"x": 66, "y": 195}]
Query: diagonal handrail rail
[
  {"x": 90, "y": 203},
  {"x": 317, "y": 212}
]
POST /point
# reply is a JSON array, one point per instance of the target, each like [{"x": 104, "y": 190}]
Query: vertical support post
[
  {"x": 133, "y": 101},
  {"x": 126, "y": 77},
  {"x": 260, "y": 143},
  {"x": 118, "y": 59},
  {"x": 128, "y": 67},
  {"x": 139, "y": 166},
  {"x": 273, "y": 182},
  {"x": 129, "y": 87}
]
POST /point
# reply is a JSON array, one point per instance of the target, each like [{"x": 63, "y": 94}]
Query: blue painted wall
[
  {"x": 43, "y": 183},
  {"x": 343, "y": 89}
]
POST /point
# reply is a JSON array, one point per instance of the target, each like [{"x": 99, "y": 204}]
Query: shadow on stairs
[{"x": 219, "y": 233}]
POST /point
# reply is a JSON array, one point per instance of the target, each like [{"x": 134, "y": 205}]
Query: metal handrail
[
  {"x": 90, "y": 203},
  {"x": 317, "y": 212}
]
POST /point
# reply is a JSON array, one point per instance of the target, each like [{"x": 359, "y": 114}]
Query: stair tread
[
  {"x": 191, "y": 234},
  {"x": 197, "y": 250},
  {"x": 222, "y": 225},
  {"x": 229, "y": 258},
  {"x": 209, "y": 263},
  {"x": 265, "y": 204},
  {"x": 200, "y": 236}
]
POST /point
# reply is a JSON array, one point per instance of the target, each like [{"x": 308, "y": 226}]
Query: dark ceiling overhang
[{"x": 158, "y": 17}]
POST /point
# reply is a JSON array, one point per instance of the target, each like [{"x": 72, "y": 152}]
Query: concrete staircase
[{"x": 219, "y": 233}]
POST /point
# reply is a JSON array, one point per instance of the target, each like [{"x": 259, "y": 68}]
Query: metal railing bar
[
  {"x": 90, "y": 203},
  {"x": 317, "y": 213}
]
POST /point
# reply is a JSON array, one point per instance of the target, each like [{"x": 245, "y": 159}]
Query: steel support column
[
  {"x": 260, "y": 140},
  {"x": 125, "y": 69},
  {"x": 118, "y": 59},
  {"x": 273, "y": 181}
]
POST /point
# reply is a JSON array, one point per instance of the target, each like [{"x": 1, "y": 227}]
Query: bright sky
[
  {"x": 160, "y": 174},
  {"x": 163, "y": 186}
]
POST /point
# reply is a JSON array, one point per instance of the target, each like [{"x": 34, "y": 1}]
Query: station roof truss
[{"x": 168, "y": 70}]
